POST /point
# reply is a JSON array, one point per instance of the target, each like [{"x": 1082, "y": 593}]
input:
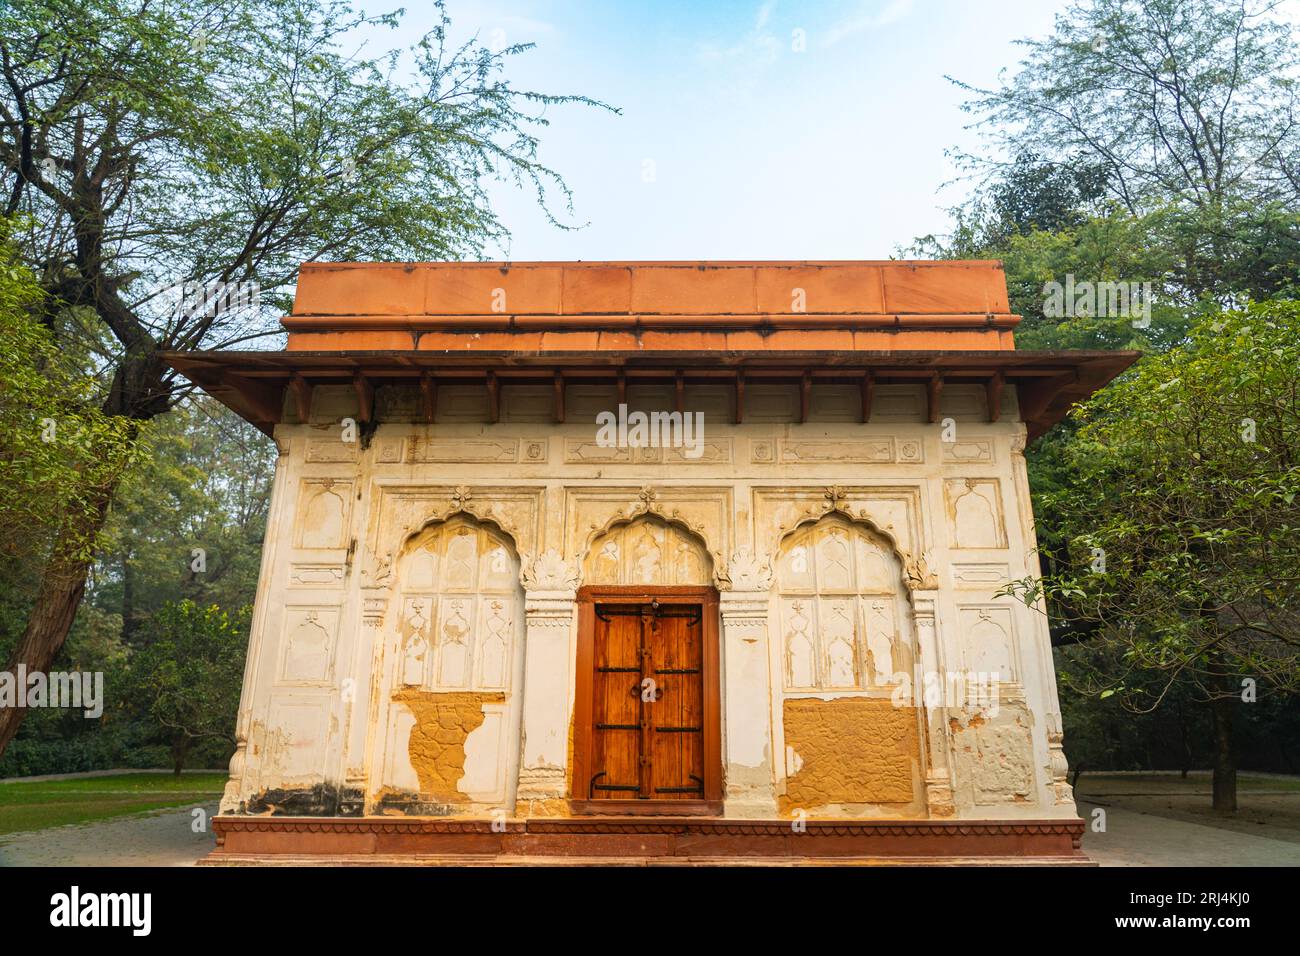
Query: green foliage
[
  {"x": 187, "y": 675},
  {"x": 151, "y": 145},
  {"x": 188, "y": 523},
  {"x": 1183, "y": 102},
  {"x": 1178, "y": 531},
  {"x": 57, "y": 453}
]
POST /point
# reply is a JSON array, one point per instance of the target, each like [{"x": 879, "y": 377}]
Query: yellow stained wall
[{"x": 852, "y": 749}]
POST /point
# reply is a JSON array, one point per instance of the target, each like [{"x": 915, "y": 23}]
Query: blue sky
[{"x": 732, "y": 144}]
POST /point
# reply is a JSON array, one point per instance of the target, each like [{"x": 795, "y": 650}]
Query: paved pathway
[
  {"x": 157, "y": 838},
  {"x": 1144, "y": 839},
  {"x": 166, "y": 838}
]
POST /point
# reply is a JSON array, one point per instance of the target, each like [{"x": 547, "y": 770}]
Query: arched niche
[
  {"x": 841, "y": 609},
  {"x": 461, "y": 607},
  {"x": 647, "y": 551}
]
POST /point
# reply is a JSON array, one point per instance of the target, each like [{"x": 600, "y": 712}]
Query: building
[{"x": 695, "y": 559}]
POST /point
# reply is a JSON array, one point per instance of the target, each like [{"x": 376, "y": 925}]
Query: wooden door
[{"x": 648, "y": 713}]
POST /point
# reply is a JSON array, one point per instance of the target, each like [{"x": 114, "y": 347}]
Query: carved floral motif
[{"x": 550, "y": 572}]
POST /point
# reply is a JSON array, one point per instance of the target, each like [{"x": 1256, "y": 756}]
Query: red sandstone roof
[
  {"x": 686, "y": 305},
  {"x": 497, "y": 323}
]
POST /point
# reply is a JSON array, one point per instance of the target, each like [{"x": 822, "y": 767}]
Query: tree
[
  {"x": 188, "y": 523},
  {"x": 1146, "y": 142},
  {"x": 1182, "y": 108},
  {"x": 160, "y": 145},
  {"x": 1179, "y": 530},
  {"x": 187, "y": 675},
  {"x": 55, "y": 452}
]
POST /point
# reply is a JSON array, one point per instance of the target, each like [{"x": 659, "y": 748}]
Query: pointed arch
[
  {"x": 841, "y": 597},
  {"x": 647, "y": 550},
  {"x": 461, "y": 606}
]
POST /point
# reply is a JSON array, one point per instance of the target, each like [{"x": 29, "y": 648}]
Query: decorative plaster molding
[
  {"x": 372, "y": 611},
  {"x": 745, "y": 572},
  {"x": 549, "y": 572},
  {"x": 919, "y": 573}
]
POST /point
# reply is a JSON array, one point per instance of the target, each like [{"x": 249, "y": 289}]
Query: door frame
[{"x": 588, "y": 597}]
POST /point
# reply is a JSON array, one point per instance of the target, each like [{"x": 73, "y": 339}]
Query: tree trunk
[
  {"x": 1225, "y": 762},
  {"x": 128, "y": 599},
  {"x": 63, "y": 584},
  {"x": 1184, "y": 740},
  {"x": 180, "y": 748}
]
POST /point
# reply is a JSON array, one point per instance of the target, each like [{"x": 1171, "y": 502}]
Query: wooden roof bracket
[
  {"x": 1036, "y": 397},
  {"x": 993, "y": 394},
  {"x": 933, "y": 392},
  {"x": 301, "y": 390},
  {"x": 494, "y": 397},
  {"x": 428, "y": 397}
]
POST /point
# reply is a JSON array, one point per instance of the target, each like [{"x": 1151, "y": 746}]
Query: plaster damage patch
[
  {"x": 853, "y": 750},
  {"x": 995, "y": 754},
  {"x": 436, "y": 749}
]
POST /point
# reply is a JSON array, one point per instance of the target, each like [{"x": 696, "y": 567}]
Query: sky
[{"x": 767, "y": 129}]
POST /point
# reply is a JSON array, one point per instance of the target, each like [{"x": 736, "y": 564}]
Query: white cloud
[
  {"x": 870, "y": 17},
  {"x": 758, "y": 44}
]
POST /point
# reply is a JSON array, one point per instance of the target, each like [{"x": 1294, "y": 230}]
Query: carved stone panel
[
  {"x": 307, "y": 648},
  {"x": 649, "y": 551},
  {"x": 704, "y": 512},
  {"x": 975, "y": 513},
  {"x": 400, "y": 510},
  {"x": 324, "y": 510},
  {"x": 839, "y": 587},
  {"x": 988, "y": 641}
]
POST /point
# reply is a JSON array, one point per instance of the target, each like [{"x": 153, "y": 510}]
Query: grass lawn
[{"x": 55, "y": 803}]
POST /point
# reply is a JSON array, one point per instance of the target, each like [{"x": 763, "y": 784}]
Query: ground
[
  {"x": 1163, "y": 819},
  {"x": 1150, "y": 819}
]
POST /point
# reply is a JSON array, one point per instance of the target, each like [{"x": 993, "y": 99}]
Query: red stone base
[{"x": 668, "y": 840}]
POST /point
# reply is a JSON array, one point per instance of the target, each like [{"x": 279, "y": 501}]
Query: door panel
[
  {"x": 677, "y": 718},
  {"x": 616, "y": 710},
  {"x": 648, "y": 705}
]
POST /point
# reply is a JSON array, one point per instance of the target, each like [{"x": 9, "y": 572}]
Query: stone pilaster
[
  {"x": 747, "y": 696},
  {"x": 236, "y": 788},
  {"x": 548, "y": 654},
  {"x": 931, "y": 690}
]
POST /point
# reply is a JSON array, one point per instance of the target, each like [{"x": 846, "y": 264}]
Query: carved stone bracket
[
  {"x": 919, "y": 573},
  {"x": 549, "y": 572},
  {"x": 1063, "y": 793},
  {"x": 744, "y": 615},
  {"x": 552, "y": 609},
  {"x": 745, "y": 572}
]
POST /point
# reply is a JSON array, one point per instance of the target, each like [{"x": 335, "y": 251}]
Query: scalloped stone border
[{"x": 268, "y": 838}]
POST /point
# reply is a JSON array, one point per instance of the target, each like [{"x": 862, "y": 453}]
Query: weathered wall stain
[
  {"x": 436, "y": 750},
  {"x": 995, "y": 754},
  {"x": 853, "y": 750}
]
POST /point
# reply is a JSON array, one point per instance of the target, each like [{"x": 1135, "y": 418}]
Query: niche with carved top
[{"x": 840, "y": 609}]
